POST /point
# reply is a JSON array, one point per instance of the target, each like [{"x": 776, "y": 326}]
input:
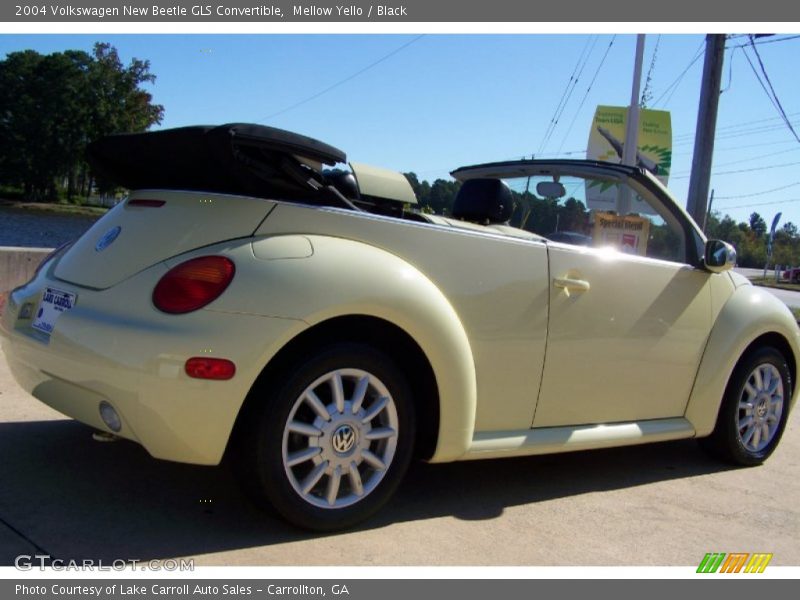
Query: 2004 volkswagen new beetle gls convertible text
[{"x": 247, "y": 300}]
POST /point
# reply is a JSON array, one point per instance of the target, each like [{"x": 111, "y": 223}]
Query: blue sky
[{"x": 431, "y": 103}]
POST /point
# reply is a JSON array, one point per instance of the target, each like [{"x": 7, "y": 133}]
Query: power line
[
  {"x": 752, "y": 158},
  {"x": 736, "y": 134},
  {"x": 730, "y": 71},
  {"x": 561, "y": 100},
  {"x": 738, "y": 125},
  {"x": 716, "y": 173},
  {"x": 723, "y": 149},
  {"x": 773, "y": 96},
  {"x": 586, "y": 95},
  {"x": 759, "y": 204},
  {"x": 568, "y": 90},
  {"x": 776, "y": 143},
  {"x": 343, "y": 81},
  {"x": 732, "y": 130},
  {"x": 761, "y": 42},
  {"x": 741, "y": 132},
  {"x": 673, "y": 86},
  {"x": 777, "y": 189},
  {"x": 719, "y": 149}
]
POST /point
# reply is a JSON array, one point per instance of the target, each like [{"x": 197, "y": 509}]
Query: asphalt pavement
[{"x": 67, "y": 496}]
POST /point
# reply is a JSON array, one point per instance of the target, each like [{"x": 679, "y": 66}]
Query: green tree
[
  {"x": 422, "y": 190},
  {"x": 573, "y": 216},
  {"x": 758, "y": 225},
  {"x": 524, "y": 204},
  {"x": 117, "y": 102},
  {"x": 664, "y": 242},
  {"x": 413, "y": 181},
  {"x": 726, "y": 230},
  {"x": 23, "y": 100},
  {"x": 52, "y": 106},
  {"x": 786, "y": 246},
  {"x": 441, "y": 196}
]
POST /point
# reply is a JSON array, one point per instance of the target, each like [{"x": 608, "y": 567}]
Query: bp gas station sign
[{"x": 606, "y": 143}]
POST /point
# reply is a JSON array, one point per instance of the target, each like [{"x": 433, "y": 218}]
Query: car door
[
  {"x": 630, "y": 308},
  {"x": 625, "y": 336}
]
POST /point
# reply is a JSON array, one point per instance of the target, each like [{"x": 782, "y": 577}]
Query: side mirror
[{"x": 720, "y": 256}]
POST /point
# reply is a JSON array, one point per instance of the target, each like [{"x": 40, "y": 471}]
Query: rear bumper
[{"x": 104, "y": 349}]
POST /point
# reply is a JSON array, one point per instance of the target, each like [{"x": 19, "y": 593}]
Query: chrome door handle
[{"x": 571, "y": 285}]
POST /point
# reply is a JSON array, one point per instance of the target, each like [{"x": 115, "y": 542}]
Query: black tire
[
  {"x": 267, "y": 445},
  {"x": 734, "y": 437}
]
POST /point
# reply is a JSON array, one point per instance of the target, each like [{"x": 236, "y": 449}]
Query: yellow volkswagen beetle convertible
[{"x": 256, "y": 297}]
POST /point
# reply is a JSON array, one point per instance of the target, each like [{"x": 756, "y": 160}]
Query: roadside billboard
[{"x": 606, "y": 143}]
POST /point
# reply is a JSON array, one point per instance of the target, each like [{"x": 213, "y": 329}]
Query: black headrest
[
  {"x": 346, "y": 184},
  {"x": 483, "y": 201}
]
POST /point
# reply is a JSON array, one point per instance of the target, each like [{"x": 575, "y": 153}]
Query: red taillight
[
  {"x": 193, "y": 284},
  {"x": 210, "y": 368},
  {"x": 147, "y": 203}
]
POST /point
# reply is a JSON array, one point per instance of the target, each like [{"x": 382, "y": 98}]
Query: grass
[
  {"x": 779, "y": 285},
  {"x": 64, "y": 209}
]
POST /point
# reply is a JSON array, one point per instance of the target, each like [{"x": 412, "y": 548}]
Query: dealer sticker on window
[{"x": 54, "y": 303}]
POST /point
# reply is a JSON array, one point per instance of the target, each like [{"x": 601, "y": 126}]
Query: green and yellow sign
[{"x": 607, "y": 141}]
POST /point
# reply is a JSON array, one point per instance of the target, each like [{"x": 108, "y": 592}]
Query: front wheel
[
  {"x": 330, "y": 446},
  {"x": 753, "y": 413}
]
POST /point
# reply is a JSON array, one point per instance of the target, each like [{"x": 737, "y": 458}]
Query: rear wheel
[
  {"x": 329, "y": 447},
  {"x": 753, "y": 413}
]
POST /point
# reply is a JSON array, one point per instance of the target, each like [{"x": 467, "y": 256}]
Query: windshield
[{"x": 591, "y": 211}]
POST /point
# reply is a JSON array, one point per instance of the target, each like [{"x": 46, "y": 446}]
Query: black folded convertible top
[{"x": 237, "y": 158}]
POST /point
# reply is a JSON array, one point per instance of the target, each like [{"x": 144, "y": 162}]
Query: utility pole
[
  {"x": 631, "y": 146},
  {"x": 697, "y": 202}
]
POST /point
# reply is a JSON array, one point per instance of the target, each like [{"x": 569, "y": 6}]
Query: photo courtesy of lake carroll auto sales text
[{"x": 178, "y": 590}]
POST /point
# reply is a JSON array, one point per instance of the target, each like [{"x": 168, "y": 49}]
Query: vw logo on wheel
[
  {"x": 107, "y": 239},
  {"x": 344, "y": 438}
]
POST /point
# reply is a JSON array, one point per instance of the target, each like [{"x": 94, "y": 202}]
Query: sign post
[
  {"x": 630, "y": 148},
  {"x": 769, "y": 243}
]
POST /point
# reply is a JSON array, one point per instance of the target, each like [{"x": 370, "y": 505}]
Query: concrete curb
[{"x": 17, "y": 265}]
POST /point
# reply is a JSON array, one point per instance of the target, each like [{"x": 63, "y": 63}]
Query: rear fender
[{"x": 339, "y": 277}]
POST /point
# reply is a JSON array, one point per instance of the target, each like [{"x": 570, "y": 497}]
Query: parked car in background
[
  {"x": 257, "y": 298},
  {"x": 792, "y": 274}
]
